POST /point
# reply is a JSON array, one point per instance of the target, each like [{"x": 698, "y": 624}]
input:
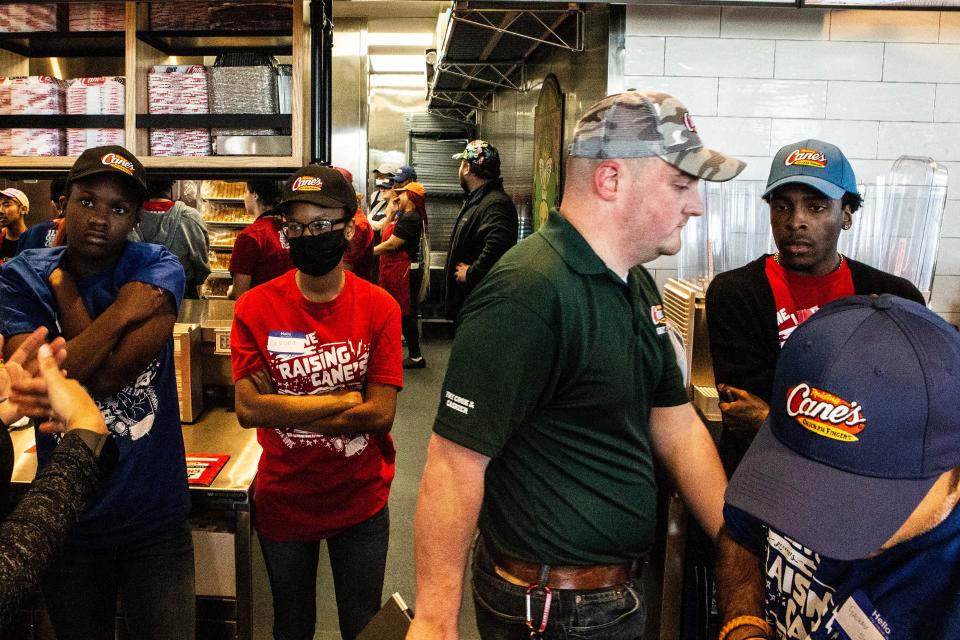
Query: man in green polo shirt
[{"x": 561, "y": 388}]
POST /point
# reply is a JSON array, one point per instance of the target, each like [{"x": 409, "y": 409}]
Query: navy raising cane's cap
[
  {"x": 814, "y": 163},
  {"x": 862, "y": 422}
]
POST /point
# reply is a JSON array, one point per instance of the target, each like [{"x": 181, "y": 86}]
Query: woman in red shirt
[
  {"x": 316, "y": 360},
  {"x": 403, "y": 229},
  {"x": 260, "y": 252}
]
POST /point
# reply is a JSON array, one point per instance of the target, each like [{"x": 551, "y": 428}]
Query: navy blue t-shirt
[
  {"x": 909, "y": 592},
  {"x": 147, "y": 493}
]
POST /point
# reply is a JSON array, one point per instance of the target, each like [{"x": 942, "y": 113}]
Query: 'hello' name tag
[
  {"x": 287, "y": 343},
  {"x": 859, "y": 620}
]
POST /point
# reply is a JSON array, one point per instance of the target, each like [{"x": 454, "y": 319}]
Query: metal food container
[
  {"x": 243, "y": 90},
  {"x": 189, "y": 368},
  {"x": 253, "y": 146}
]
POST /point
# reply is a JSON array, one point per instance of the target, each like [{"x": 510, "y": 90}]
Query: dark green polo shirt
[{"x": 553, "y": 372}]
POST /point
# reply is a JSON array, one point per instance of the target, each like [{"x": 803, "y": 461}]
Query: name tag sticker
[
  {"x": 287, "y": 343},
  {"x": 859, "y": 620}
]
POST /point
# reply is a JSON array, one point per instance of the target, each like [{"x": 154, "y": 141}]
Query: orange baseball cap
[{"x": 415, "y": 187}]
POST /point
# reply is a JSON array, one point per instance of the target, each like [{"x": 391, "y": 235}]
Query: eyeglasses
[{"x": 316, "y": 228}]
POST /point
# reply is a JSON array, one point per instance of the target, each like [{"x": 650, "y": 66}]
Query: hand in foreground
[
  {"x": 742, "y": 411},
  {"x": 462, "y": 272},
  {"x": 23, "y": 366},
  {"x": 64, "y": 399}
]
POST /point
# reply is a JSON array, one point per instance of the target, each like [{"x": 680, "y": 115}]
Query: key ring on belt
[
  {"x": 535, "y": 632},
  {"x": 544, "y": 578}
]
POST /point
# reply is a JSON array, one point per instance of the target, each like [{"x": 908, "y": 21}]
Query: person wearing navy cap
[
  {"x": 841, "y": 521},
  {"x": 751, "y": 311},
  {"x": 404, "y": 175},
  {"x": 115, "y": 303}
]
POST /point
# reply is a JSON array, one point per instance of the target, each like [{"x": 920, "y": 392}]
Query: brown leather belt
[{"x": 576, "y": 577}]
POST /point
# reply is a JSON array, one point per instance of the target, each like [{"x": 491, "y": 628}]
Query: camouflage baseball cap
[{"x": 643, "y": 124}]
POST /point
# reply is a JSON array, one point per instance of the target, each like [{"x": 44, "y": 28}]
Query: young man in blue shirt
[
  {"x": 115, "y": 302},
  {"x": 841, "y": 522}
]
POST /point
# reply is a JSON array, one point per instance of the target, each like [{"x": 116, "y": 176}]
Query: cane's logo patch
[
  {"x": 659, "y": 319},
  {"x": 308, "y": 183},
  {"x": 688, "y": 122},
  {"x": 806, "y": 158},
  {"x": 657, "y": 315},
  {"x": 825, "y": 414},
  {"x": 118, "y": 162}
]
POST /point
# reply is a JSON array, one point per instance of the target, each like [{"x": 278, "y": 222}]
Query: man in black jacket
[
  {"x": 486, "y": 226},
  {"x": 751, "y": 311}
]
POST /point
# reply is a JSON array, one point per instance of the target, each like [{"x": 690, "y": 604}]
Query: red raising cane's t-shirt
[
  {"x": 310, "y": 486},
  {"x": 798, "y": 297}
]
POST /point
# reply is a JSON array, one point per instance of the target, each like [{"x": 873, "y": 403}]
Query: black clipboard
[{"x": 390, "y": 623}]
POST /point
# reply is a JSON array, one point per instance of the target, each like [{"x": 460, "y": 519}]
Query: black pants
[{"x": 408, "y": 324}]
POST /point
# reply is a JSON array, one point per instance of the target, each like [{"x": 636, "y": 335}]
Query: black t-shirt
[
  {"x": 409, "y": 227},
  {"x": 8, "y": 248}
]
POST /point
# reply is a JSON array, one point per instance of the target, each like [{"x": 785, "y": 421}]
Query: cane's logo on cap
[
  {"x": 825, "y": 414},
  {"x": 118, "y": 162},
  {"x": 308, "y": 183},
  {"x": 688, "y": 122},
  {"x": 807, "y": 158}
]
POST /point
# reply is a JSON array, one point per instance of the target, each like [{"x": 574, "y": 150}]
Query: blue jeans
[
  {"x": 358, "y": 558},
  {"x": 154, "y": 578},
  {"x": 617, "y": 613}
]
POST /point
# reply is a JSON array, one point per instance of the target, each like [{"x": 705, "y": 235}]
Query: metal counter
[
  {"x": 220, "y": 514},
  {"x": 216, "y": 432}
]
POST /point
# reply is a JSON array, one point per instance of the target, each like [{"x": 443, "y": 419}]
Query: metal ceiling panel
[{"x": 486, "y": 46}]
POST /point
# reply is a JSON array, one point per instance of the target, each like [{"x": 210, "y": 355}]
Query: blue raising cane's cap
[
  {"x": 814, "y": 163},
  {"x": 862, "y": 422}
]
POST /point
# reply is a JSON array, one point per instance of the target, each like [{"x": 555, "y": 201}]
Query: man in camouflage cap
[{"x": 549, "y": 450}]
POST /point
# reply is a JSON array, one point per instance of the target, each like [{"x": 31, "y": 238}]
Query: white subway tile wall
[
  {"x": 809, "y": 24},
  {"x": 772, "y": 98},
  {"x": 948, "y": 103},
  {"x": 949, "y": 28},
  {"x": 880, "y": 84},
  {"x": 951, "y": 220},
  {"x": 719, "y": 57},
  {"x": 701, "y": 22},
  {"x": 885, "y": 26},
  {"x": 644, "y": 55},
  {"x": 799, "y": 60},
  {"x": 935, "y": 139},
  {"x": 907, "y": 62},
  {"x": 948, "y": 258},
  {"x": 699, "y": 94},
  {"x": 881, "y": 101},
  {"x": 737, "y": 136},
  {"x": 857, "y": 138}
]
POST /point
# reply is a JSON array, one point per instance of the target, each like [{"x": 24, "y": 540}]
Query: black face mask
[{"x": 318, "y": 255}]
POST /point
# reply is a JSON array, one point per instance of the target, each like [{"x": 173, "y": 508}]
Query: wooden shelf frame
[{"x": 139, "y": 55}]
